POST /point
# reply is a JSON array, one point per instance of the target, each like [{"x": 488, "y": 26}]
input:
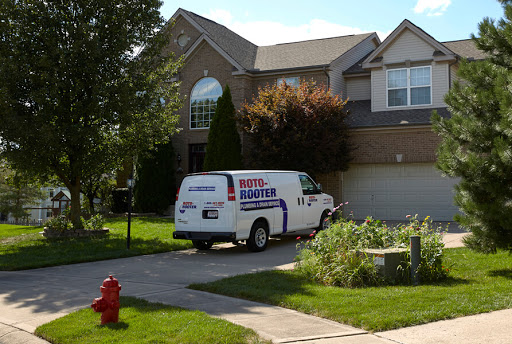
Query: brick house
[{"x": 392, "y": 87}]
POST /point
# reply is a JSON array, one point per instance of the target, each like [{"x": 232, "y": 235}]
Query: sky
[{"x": 268, "y": 22}]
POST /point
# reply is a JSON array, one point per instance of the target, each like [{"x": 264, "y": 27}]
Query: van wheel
[
  {"x": 325, "y": 222},
  {"x": 258, "y": 238},
  {"x": 202, "y": 244}
]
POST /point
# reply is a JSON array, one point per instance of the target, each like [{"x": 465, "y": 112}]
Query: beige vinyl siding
[
  {"x": 359, "y": 88},
  {"x": 440, "y": 83},
  {"x": 453, "y": 73},
  {"x": 407, "y": 46},
  {"x": 378, "y": 90},
  {"x": 346, "y": 61}
]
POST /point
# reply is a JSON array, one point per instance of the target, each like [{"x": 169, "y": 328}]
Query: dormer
[{"x": 409, "y": 70}]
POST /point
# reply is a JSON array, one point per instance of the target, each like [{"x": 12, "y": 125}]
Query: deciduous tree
[
  {"x": 75, "y": 98},
  {"x": 297, "y": 128}
]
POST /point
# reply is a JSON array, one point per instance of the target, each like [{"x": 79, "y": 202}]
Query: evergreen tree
[
  {"x": 223, "y": 151},
  {"x": 155, "y": 183},
  {"x": 477, "y": 140}
]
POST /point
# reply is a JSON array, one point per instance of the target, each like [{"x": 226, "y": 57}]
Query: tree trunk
[{"x": 75, "y": 213}]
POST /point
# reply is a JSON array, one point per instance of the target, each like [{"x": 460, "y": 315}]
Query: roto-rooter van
[{"x": 232, "y": 206}]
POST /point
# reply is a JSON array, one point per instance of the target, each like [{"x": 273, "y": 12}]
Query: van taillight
[
  {"x": 231, "y": 193},
  {"x": 177, "y": 193}
]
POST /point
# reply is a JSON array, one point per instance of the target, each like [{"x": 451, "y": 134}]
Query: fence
[{"x": 23, "y": 222}]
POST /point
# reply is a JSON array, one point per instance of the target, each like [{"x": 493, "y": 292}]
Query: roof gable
[
  {"x": 440, "y": 50},
  {"x": 238, "y": 49}
]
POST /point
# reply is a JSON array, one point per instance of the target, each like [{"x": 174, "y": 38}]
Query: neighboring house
[
  {"x": 392, "y": 88},
  {"x": 48, "y": 207}
]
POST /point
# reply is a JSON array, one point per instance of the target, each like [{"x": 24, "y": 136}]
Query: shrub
[
  {"x": 59, "y": 223},
  {"x": 332, "y": 257},
  {"x": 94, "y": 223}
]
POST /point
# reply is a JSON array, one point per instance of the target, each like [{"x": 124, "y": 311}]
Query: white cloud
[
  {"x": 268, "y": 32},
  {"x": 432, "y": 7}
]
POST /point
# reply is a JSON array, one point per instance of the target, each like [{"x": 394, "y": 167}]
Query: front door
[{"x": 197, "y": 153}]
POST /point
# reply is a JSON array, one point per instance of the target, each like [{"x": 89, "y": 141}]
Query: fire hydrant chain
[{"x": 108, "y": 303}]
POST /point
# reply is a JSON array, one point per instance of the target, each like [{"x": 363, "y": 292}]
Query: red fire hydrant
[{"x": 108, "y": 303}]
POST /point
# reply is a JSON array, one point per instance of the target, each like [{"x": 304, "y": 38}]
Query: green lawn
[
  {"x": 478, "y": 283},
  {"x": 24, "y": 248},
  {"x": 144, "y": 322},
  {"x": 7, "y": 231}
]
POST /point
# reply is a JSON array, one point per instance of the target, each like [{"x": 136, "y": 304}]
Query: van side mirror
[{"x": 319, "y": 187}]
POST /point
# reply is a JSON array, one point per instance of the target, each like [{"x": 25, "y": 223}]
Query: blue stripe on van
[
  {"x": 268, "y": 204},
  {"x": 201, "y": 188}
]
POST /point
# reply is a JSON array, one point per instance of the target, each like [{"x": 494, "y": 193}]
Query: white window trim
[
  {"x": 190, "y": 106},
  {"x": 408, "y": 87}
]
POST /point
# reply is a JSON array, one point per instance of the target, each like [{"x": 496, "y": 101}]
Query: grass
[
  {"x": 7, "y": 231},
  {"x": 144, "y": 322},
  {"x": 478, "y": 283},
  {"x": 23, "y": 248}
]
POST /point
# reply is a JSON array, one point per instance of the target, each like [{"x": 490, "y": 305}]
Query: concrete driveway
[
  {"x": 33, "y": 297},
  {"x": 30, "y": 298}
]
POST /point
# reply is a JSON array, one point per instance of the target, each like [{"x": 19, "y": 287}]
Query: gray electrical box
[{"x": 387, "y": 260}]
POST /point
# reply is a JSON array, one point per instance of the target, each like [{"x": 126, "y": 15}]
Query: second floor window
[
  {"x": 409, "y": 86},
  {"x": 203, "y": 102},
  {"x": 291, "y": 81}
]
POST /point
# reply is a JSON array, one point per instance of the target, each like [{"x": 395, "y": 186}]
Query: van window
[{"x": 308, "y": 186}]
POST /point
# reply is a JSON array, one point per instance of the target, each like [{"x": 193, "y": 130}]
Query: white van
[{"x": 247, "y": 205}]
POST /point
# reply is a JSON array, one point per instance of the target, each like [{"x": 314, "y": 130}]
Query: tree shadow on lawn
[
  {"x": 139, "y": 220},
  {"x": 50, "y": 252},
  {"x": 507, "y": 273}
]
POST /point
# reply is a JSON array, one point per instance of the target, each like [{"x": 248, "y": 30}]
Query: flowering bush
[
  {"x": 62, "y": 223},
  {"x": 332, "y": 257},
  {"x": 59, "y": 223}
]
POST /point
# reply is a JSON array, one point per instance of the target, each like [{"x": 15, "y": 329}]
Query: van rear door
[
  {"x": 203, "y": 204},
  {"x": 188, "y": 205},
  {"x": 217, "y": 210}
]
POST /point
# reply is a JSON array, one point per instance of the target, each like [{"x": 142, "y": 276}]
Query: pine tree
[
  {"x": 477, "y": 140},
  {"x": 223, "y": 151},
  {"x": 155, "y": 183}
]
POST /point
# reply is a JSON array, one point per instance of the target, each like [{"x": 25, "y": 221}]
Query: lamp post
[{"x": 130, "y": 184}]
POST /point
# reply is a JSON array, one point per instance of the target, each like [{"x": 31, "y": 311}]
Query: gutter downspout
[
  {"x": 328, "y": 77},
  {"x": 450, "y": 71}
]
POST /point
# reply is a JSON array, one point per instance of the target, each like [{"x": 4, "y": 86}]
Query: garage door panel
[{"x": 391, "y": 191}]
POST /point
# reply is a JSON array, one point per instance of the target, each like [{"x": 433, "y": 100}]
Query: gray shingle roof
[
  {"x": 313, "y": 53},
  {"x": 316, "y": 52},
  {"x": 240, "y": 49},
  {"x": 361, "y": 116},
  {"x": 357, "y": 68},
  {"x": 465, "y": 48}
]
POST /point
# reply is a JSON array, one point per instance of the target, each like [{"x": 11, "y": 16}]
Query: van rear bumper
[{"x": 207, "y": 236}]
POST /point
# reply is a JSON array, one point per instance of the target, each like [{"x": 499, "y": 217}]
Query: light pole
[{"x": 130, "y": 184}]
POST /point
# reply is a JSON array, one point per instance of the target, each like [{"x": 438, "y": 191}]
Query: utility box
[{"x": 387, "y": 260}]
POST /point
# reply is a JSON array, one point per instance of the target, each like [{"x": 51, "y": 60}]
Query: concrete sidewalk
[{"x": 33, "y": 297}]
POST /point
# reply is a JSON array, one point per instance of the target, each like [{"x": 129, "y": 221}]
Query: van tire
[
  {"x": 202, "y": 244},
  {"x": 324, "y": 224},
  {"x": 258, "y": 239}
]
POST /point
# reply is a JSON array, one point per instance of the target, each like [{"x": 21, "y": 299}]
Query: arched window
[{"x": 203, "y": 102}]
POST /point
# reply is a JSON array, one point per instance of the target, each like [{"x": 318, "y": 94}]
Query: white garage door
[{"x": 392, "y": 191}]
